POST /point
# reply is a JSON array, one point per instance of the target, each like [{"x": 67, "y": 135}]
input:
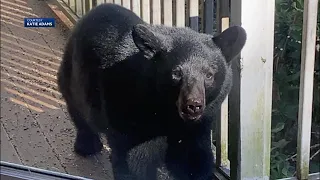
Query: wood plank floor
[{"x": 35, "y": 129}]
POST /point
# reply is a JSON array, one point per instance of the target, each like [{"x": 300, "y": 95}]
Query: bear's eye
[
  {"x": 176, "y": 74},
  {"x": 209, "y": 75}
]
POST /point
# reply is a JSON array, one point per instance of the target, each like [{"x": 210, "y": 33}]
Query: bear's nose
[{"x": 194, "y": 106}]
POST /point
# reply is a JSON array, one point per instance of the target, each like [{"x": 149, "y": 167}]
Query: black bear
[{"x": 135, "y": 82}]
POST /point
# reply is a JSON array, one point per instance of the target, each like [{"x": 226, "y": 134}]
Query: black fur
[{"x": 129, "y": 80}]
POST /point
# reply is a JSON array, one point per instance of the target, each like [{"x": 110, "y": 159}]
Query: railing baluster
[
  {"x": 72, "y": 5},
  {"x": 100, "y": 2},
  {"x": 77, "y": 7},
  {"x": 126, "y": 4},
  {"x": 306, "y": 84},
  {"x": 222, "y": 121},
  {"x": 156, "y": 12},
  {"x": 136, "y": 7},
  {"x": 117, "y": 2},
  {"x": 88, "y": 5},
  {"x": 180, "y": 13},
  {"x": 82, "y": 7},
  {"x": 167, "y": 10},
  {"x": 208, "y": 16},
  {"x": 146, "y": 10},
  {"x": 194, "y": 14}
]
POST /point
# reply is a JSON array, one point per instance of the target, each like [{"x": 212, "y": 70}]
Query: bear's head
[{"x": 192, "y": 69}]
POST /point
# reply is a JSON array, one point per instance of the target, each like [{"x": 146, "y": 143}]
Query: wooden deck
[{"x": 35, "y": 130}]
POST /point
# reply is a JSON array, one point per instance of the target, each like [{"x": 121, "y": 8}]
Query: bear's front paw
[{"x": 87, "y": 144}]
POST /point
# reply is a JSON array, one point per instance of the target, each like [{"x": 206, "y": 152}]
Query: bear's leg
[
  {"x": 126, "y": 165},
  {"x": 87, "y": 141},
  {"x": 145, "y": 158},
  {"x": 120, "y": 167},
  {"x": 192, "y": 157},
  {"x": 152, "y": 172},
  {"x": 119, "y": 144},
  {"x": 121, "y": 170}
]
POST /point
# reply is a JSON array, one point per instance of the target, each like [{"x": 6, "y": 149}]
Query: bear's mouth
[
  {"x": 189, "y": 117},
  {"x": 191, "y": 101}
]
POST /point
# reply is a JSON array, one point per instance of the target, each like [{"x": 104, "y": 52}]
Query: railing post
[
  {"x": 251, "y": 97},
  {"x": 306, "y": 86},
  {"x": 222, "y": 119}
]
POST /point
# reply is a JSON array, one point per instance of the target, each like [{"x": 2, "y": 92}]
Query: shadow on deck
[{"x": 35, "y": 130}]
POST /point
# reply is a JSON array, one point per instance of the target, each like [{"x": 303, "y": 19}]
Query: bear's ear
[
  {"x": 146, "y": 40},
  {"x": 231, "y": 41}
]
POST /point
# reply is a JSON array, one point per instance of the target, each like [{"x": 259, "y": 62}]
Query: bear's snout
[
  {"x": 191, "y": 106},
  {"x": 194, "y": 107},
  {"x": 191, "y": 100}
]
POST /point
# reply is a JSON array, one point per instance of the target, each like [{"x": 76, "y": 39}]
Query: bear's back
[{"x": 101, "y": 36}]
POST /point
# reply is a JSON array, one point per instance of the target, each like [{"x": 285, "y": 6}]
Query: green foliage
[{"x": 287, "y": 54}]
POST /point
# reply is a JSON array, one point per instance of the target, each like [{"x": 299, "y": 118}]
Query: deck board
[
  {"x": 35, "y": 126},
  {"x": 8, "y": 153}
]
